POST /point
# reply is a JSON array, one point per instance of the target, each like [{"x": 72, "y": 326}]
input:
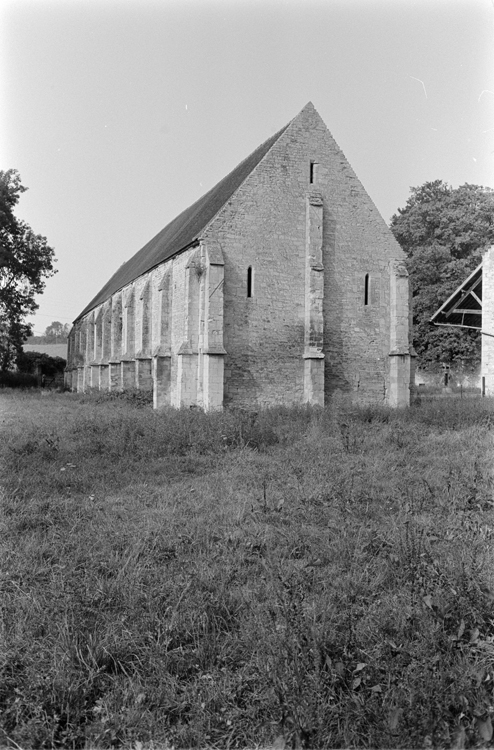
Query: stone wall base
[
  {"x": 161, "y": 371},
  {"x": 104, "y": 374},
  {"x": 314, "y": 380},
  {"x": 128, "y": 375},
  {"x": 399, "y": 380},
  {"x": 114, "y": 376},
  {"x": 213, "y": 377},
  {"x": 144, "y": 376}
]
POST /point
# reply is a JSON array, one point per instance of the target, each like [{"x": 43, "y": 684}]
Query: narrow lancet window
[
  {"x": 312, "y": 173},
  {"x": 250, "y": 282},
  {"x": 366, "y": 289}
]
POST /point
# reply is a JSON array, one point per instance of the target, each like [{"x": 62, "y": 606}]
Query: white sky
[{"x": 118, "y": 115}]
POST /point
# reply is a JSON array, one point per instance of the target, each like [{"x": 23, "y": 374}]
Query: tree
[
  {"x": 56, "y": 332},
  {"x": 32, "y": 362},
  {"x": 26, "y": 261},
  {"x": 443, "y": 231}
]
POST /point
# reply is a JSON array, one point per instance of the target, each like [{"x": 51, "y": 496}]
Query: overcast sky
[{"x": 118, "y": 115}]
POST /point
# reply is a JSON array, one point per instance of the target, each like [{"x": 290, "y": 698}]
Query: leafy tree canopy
[
  {"x": 30, "y": 362},
  {"x": 443, "y": 231},
  {"x": 26, "y": 261},
  {"x": 55, "y": 333}
]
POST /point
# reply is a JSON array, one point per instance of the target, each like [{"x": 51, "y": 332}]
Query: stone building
[
  {"x": 472, "y": 306},
  {"x": 282, "y": 284}
]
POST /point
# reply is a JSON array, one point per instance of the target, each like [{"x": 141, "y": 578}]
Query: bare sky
[{"x": 120, "y": 114}]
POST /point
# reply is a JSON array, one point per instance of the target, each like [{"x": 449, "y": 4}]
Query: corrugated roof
[
  {"x": 464, "y": 307},
  {"x": 185, "y": 229}
]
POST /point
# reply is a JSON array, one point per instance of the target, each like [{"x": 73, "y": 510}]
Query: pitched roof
[
  {"x": 464, "y": 307},
  {"x": 185, "y": 229}
]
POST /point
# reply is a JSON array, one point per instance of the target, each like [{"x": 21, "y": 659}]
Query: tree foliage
[
  {"x": 55, "y": 333},
  {"x": 32, "y": 362},
  {"x": 26, "y": 261},
  {"x": 443, "y": 231}
]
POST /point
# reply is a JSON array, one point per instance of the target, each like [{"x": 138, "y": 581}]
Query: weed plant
[{"x": 301, "y": 578}]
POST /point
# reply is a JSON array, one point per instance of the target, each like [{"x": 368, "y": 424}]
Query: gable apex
[{"x": 309, "y": 114}]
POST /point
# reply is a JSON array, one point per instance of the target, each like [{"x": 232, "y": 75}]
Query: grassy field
[{"x": 294, "y": 578}]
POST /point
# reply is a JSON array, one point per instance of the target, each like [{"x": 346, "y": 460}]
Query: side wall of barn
[
  {"x": 134, "y": 338},
  {"x": 162, "y": 333}
]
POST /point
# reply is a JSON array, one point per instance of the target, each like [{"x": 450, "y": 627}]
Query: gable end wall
[{"x": 264, "y": 226}]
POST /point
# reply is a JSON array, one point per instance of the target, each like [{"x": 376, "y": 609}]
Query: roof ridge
[{"x": 184, "y": 230}]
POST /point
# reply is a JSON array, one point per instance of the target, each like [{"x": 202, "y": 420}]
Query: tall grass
[{"x": 296, "y": 577}]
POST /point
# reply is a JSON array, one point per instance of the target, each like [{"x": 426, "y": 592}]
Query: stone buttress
[
  {"x": 314, "y": 300},
  {"x": 400, "y": 350}
]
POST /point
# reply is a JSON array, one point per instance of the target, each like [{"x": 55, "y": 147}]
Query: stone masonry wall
[
  {"x": 130, "y": 329},
  {"x": 306, "y": 297},
  {"x": 264, "y": 227}
]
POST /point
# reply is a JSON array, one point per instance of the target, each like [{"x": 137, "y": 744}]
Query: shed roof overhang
[{"x": 464, "y": 307}]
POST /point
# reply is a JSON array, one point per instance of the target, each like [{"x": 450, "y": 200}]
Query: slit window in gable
[
  {"x": 312, "y": 172},
  {"x": 250, "y": 282},
  {"x": 366, "y": 289}
]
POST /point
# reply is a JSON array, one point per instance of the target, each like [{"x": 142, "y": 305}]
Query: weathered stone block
[
  {"x": 115, "y": 376},
  {"x": 104, "y": 377},
  {"x": 161, "y": 381},
  {"x": 144, "y": 378},
  {"x": 128, "y": 374}
]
